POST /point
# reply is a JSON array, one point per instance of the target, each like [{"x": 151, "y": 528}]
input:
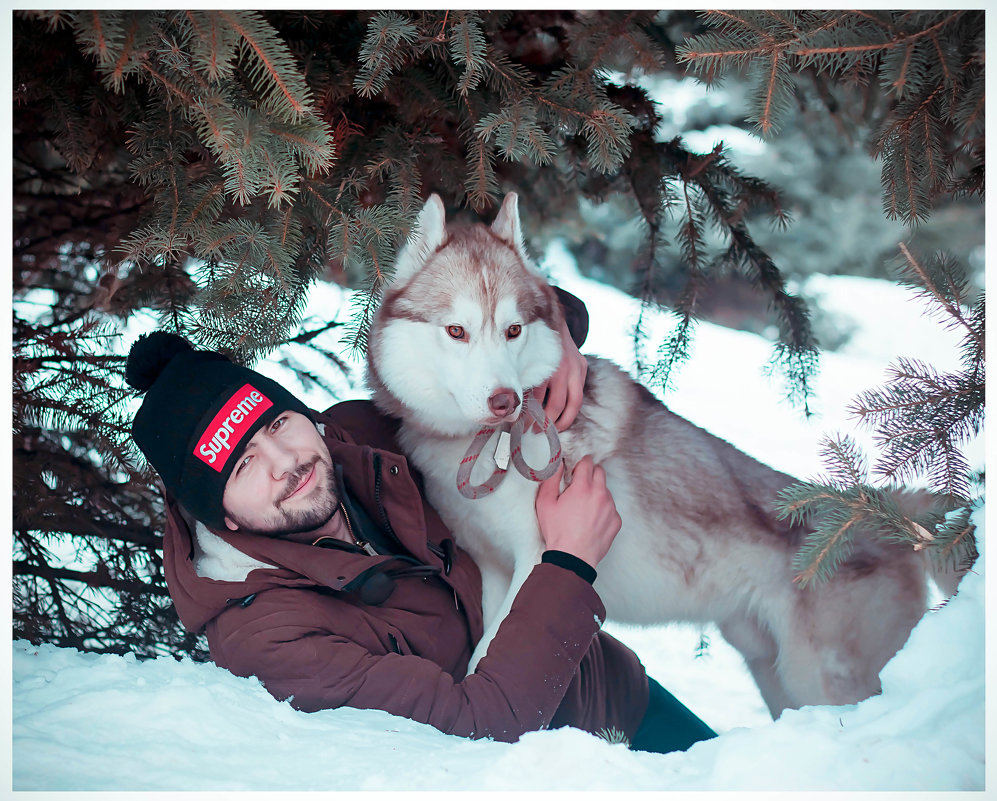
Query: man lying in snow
[{"x": 301, "y": 544}]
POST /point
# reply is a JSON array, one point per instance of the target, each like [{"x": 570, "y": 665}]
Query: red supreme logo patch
[{"x": 230, "y": 425}]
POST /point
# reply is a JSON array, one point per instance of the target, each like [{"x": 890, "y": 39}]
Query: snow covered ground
[{"x": 107, "y": 723}]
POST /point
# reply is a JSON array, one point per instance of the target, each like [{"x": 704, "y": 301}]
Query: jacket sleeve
[{"x": 516, "y": 688}]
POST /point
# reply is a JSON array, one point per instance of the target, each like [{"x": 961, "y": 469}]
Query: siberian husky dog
[{"x": 466, "y": 327}]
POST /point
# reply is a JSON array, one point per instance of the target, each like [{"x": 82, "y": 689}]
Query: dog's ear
[
  {"x": 506, "y": 226},
  {"x": 428, "y": 235}
]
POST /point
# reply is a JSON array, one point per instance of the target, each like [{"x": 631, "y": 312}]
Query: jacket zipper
[
  {"x": 377, "y": 498},
  {"x": 365, "y": 546},
  {"x": 391, "y": 531}
]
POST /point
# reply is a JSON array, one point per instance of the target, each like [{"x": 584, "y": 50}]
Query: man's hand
[
  {"x": 562, "y": 392},
  {"x": 582, "y": 520}
]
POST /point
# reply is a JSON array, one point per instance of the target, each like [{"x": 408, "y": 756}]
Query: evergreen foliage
[
  {"x": 207, "y": 167},
  {"x": 77, "y": 481},
  {"x": 921, "y": 418},
  {"x": 928, "y": 64},
  {"x": 930, "y": 138}
]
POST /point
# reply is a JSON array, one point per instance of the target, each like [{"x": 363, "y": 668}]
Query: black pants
[{"x": 668, "y": 725}]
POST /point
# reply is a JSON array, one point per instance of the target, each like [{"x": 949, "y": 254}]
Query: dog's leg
[
  {"x": 758, "y": 647},
  {"x": 491, "y": 628},
  {"x": 524, "y": 566},
  {"x": 495, "y": 584}
]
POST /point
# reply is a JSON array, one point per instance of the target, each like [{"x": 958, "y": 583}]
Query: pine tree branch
[
  {"x": 468, "y": 48},
  {"x": 739, "y": 19},
  {"x": 954, "y": 311},
  {"x": 783, "y": 19},
  {"x": 765, "y": 118},
  {"x": 910, "y": 156},
  {"x": 117, "y": 73},
  {"x": 692, "y": 238},
  {"x": 101, "y": 42},
  {"x": 866, "y": 409},
  {"x": 610, "y": 39},
  {"x": 218, "y": 55},
  {"x": 299, "y": 105},
  {"x": 215, "y": 191},
  {"x": 847, "y": 466},
  {"x": 95, "y": 579},
  {"x": 797, "y": 508},
  {"x": 975, "y": 117},
  {"x": 480, "y": 182},
  {"x": 900, "y": 83},
  {"x": 101, "y": 529},
  {"x": 171, "y": 87},
  {"x": 825, "y": 551},
  {"x": 307, "y": 336},
  {"x": 769, "y": 44},
  {"x": 874, "y": 19},
  {"x": 695, "y": 165},
  {"x": 897, "y": 41},
  {"x": 381, "y": 52},
  {"x": 932, "y": 169},
  {"x": 55, "y": 588},
  {"x": 963, "y": 540},
  {"x": 33, "y": 363},
  {"x": 89, "y": 221}
]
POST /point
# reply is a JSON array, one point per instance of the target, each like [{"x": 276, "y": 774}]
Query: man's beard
[{"x": 283, "y": 521}]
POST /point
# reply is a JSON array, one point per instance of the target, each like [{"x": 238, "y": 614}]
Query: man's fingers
[
  {"x": 542, "y": 393},
  {"x": 582, "y": 472},
  {"x": 557, "y": 394},
  {"x": 572, "y": 405},
  {"x": 550, "y": 488},
  {"x": 599, "y": 476}
]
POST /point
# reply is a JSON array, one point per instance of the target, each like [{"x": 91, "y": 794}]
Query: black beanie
[{"x": 200, "y": 410}]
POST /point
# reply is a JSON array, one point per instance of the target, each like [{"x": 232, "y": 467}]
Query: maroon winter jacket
[{"x": 315, "y": 627}]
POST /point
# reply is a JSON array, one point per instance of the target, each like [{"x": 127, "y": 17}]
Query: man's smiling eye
[{"x": 277, "y": 423}]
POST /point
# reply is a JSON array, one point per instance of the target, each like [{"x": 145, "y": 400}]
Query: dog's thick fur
[{"x": 699, "y": 542}]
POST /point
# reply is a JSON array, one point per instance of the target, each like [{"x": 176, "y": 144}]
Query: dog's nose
[{"x": 503, "y": 402}]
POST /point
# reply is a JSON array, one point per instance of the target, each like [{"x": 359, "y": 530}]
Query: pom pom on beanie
[{"x": 150, "y": 354}]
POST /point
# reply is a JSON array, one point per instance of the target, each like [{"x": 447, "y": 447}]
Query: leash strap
[
  {"x": 464, "y": 485},
  {"x": 533, "y": 412}
]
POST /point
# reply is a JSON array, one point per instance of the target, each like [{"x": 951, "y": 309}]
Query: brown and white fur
[{"x": 699, "y": 542}]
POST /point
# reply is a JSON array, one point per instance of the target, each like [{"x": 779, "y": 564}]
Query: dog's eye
[
  {"x": 457, "y": 332},
  {"x": 513, "y": 331}
]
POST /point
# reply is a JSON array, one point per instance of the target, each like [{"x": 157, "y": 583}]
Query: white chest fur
[{"x": 497, "y": 529}]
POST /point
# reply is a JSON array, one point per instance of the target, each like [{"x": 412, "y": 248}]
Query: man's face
[{"x": 283, "y": 482}]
